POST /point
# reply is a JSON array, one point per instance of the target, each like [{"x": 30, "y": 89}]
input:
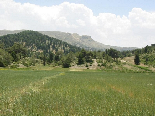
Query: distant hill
[
  {"x": 74, "y": 39},
  {"x": 37, "y": 42},
  {"x": 5, "y": 32},
  {"x": 83, "y": 41}
]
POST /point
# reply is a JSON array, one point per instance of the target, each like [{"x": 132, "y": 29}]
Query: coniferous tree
[
  {"x": 137, "y": 59},
  {"x": 51, "y": 57},
  {"x": 81, "y": 57},
  {"x": 88, "y": 57}
]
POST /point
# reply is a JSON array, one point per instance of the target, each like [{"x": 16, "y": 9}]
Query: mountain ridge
[{"x": 84, "y": 41}]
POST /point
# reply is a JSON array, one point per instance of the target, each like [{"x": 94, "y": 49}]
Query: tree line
[
  {"x": 28, "y": 47},
  {"x": 18, "y": 53}
]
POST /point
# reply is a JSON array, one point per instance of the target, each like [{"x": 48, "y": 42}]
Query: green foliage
[
  {"x": 99, "y": 60},
  {"x": 14, "y": 66},
  {"x": 53, "y": 51},
  {"x": 41, "y": 46},
  {"x": 36, "y": 41},
  {"x": 108, "y": 58},
  {"x": 29, "y": 61},
  {"x": 104, "y": 64},
  {"x": 1, "y": 45},
  {"x": 85, "y": 56},
  {"x": 146, "y": 55},
  {"x": 113, "y": 53},
  {"x": 51, "y": 57},
  {"x": 125, "y": 54},
  {"x": 99, "y": 54},
  {"x": 144, "y": 68},
  {"x": 137, "y": 59},
  {"x": 148, "y": 49},
  {"x": 89, "y": 56},
  {"x": 17, "y": 51},
  {"x": 145, "y": 50},
  {"x": 5, "y": 58},
  {"x": 58, "y": 56},
  {"x": 118, "y": 62},
  {"x": 81, "y": 57},
  {"x": 148, "y": 59},
  {"x": 66, "y": 61}
]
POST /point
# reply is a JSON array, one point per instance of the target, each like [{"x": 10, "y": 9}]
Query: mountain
[
  {"x": 74, "y": 39},
  {"x": 37, "y": 42},
  {"x": 83, "y": 41},
  {"x": 5, "y": 32}
]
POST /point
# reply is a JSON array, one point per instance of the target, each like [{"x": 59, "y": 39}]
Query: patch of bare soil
[
  {"x": 22, "y": 66},
  {"x": 153, "y": 69},
  {"x": 82, "y": 67},
  {"x": 129, "y": 60},
  {"x": 94, "y": 65},
  {"x": 78, "y": 67},
  {"x": 73, "y": 69}
]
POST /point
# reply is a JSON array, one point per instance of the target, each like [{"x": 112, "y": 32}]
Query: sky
[{"x": 125, "y": 23}]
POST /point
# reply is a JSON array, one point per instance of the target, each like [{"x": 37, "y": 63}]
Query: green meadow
[{"x": 61, "y": 92}]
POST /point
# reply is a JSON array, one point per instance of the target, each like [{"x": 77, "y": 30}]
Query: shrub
[{"x": 5, "y": 58}]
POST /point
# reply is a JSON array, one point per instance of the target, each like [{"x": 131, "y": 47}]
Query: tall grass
[{"x": 76, "y": 93}]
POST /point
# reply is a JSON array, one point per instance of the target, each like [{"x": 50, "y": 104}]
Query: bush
[
  {"x": 104, "y": 64},
  {"x": 14, "y": 66},
  {"x": 66, "y": 62},
  {"x": 118, "y": 62},
  {"x": 29, "y": 62},
  {"x": 5, "y": 58}
]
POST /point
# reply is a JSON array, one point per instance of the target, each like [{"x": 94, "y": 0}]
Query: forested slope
[
  {"x": 35, "y": 41},
  {"x": 28, "y": 46}
]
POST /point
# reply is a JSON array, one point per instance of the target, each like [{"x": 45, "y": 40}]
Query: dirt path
[
  {"x": 32, "y": 87},
  {"x": 35, "y": 87},
  {"x": 94, "y": 65}
]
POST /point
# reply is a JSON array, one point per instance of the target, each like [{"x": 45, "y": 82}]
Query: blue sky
[
  {"x": 118, "y": 7},
  {"x": 125, "y": 23}
]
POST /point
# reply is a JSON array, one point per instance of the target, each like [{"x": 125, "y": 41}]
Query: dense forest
[
  {"x": 33, "y": 45},
  {"x": 29, "y": 48},
  {"x": 36, "y": 41}
]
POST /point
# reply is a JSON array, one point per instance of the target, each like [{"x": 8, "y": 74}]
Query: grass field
[{"x": 86, "y": 93}]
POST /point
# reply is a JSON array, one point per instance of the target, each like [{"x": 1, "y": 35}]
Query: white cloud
[{"x": 136, "y": 29}]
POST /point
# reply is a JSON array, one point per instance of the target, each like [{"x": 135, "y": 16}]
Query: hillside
[
  {"x": 5, "y": 32},
  {"x": 30, "y": 47},
  {"x": 83, "y": 41},
  {"x": 35, "y": 41},
  {"x": 74, "y": 39}
]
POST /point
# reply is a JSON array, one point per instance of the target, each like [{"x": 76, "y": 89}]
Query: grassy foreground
[{"x": 64, "y": 92}]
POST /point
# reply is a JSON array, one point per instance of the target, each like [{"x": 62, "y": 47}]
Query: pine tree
[{"x": 137, "y": 59}]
